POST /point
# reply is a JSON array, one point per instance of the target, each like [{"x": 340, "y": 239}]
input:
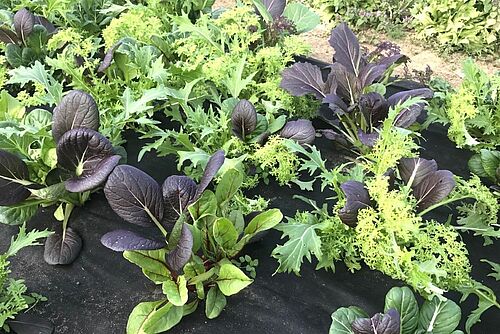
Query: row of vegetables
[{"x": 222, "y": 90}]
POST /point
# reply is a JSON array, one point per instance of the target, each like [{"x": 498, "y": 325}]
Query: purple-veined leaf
[
  {"x": 418, "y": 167},
  {"x": 181, "y": 254},
  {"x": 374, "y": 107},
  {"x": 243, "y": 119},
  {"x": 7, "y": 36},
  {"x": 347, "y": 50},
  {"x": 303, "y": 78},
  {"x": 357, "y": 198},
  {"x": 12, "y": 172},
  {"x": 274, "y": 7},
  {"x": 134, "y": 195},
  {"x": 336, "y": 104},
  {"x": 123, "y": 240},
  {"x": 434, "y": 188},
  {"x": 24, "y": 21},
  {"x": 389, "y": 323},
  {"x": 301, "y": 130},
  {"x": 390, "y": 60},
  {"x": 409, "y": 115},
  {"x": 214, "y": 164},
  {"x": 178, "y": 192},
  {"x": 368, "y": 139},
  {"x": 108, "y": 57},
  {"x": 59, "y": 251},
  {"x": 424, "y": 93},
  {"x": 348, "y": 87},
  {"x": 89, "y": 155},
  {"x": 45, "y": 23},
  {"x": 371, "y": 73},
  {"x": 77, "y": 109}
]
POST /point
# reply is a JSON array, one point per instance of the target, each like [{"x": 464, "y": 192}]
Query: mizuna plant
[
  {"x": 354, "y": 91},
  {"x": 199, "y": 235},
  {"x": 84, "y": 159}
]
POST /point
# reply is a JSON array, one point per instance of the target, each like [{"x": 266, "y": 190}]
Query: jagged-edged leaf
[
  {"x": 403, "y": 300},
  {"x": 13, "y": 177},
  {"x": 347, "y": 50},
  {"x": 303, "y": 18},
  {"x": 416, "y": 169},
  {"x": 302, "y": 79},
  {"x": 344, "y": 317},
  {"x": 301, "y": 130},
  {"x": 274, "y": 7},
  {"x": 434, "y": 188},
  {"x": 178, "y": 192},
  {"x": 181, "y": 254},
  {"x": 7, "y": 36},
  {"x": 77, "y": 109},
  {"x": 89, "y": 155},
  {"x": 62, "y": 251},
  {"x": 24, "y": 21},
  {"x": 25, "y": 323},
  {"x": 123, "y": 240},
  {"x": 243, "y": 119},
  {"x": 134, "y": 195},
  {"x": 388, "y": 323},
  {"x": 439, "y": 317},
  {"x": 357, "y": 198},
  {"x": 213, "y": 165},
  {"x": 108, "y": 57}
]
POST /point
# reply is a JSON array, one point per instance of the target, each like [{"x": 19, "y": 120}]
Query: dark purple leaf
[
  {"x": 108, "y": 58},
  {"x": 389, "y": 323},
  {"x": 243, "y": 119},
  {"x": 368, "y": 139},
  {"x": 390, "y": 60},
  {"x": 7, "y": 36},
  {"x": 89, "y": 155},
  {"x": 330, "y": 84},
  {"x": 274, "y": 7},
  {"x": 336, "y": 104},
  {"x": 401, "y": 97},
  {"x": 178, "y": 192},
  {"x": 371, "y": 73},
  {"x": 303, "y": 78},
  {"x": 25, "y": 323},
  {"x": 12, "y": 171},
  {"x": 134, "y": 195},
  {"x": 181, "y": 254},
  {"x": 214, "y": 164},
  {"x": 77, "y": 109},
  {"x": 434, "y": 188},
  {"x": 347, "y": 50},
  {"x": 24, "y": 21},
  {"x": 348, "y": 87},
  {"x": 301, "y": 130},
  {"x": 357, "y": 198},
  {"x": 45, "y": 23},
  {"x": 59, "y": 251},
  {"x": 334, "y": 136},
  {"x": 418, "y": 167},
  {"x": 374, "y": 107},
  {"x": 123, "y": 240},
  {"x": 408, "y": 116}
]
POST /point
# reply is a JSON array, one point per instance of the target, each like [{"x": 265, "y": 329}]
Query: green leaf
[
  {"x": 197, "y": 157},
  {"x": 19, "y": 213},
  {"x": 51, "y": 193},
  {"x": 403, "y": 300},
  {"x": 344, "y": 317},
  {"x": 476, "y": 166},
  {"x": 264, "y": 221},
  {"x": 23, "y": 239},
  {"x": 177, "y": 293},
  {"x": 490, "y": 161},
  {"x": 10, "y": 108},
  {"x": 152, "y": 262},
  {"x": 496, "y": 269},
  {"x": 163, "y": 319},
  {"x": 439, "y": 317},
  {"x": 13, "y": 54},
  {"x": 228, "y": 186},
  {"x": 236, "y": 216},
  {"x": 215, "y": 303},
  {"x": 231, "y": 279},
  {"x": 486, "y": 298},
  {"x": 144, "y": 103},
  {"x": 205, "y": 206},
  {"x": 189, "y": 308},
  {"x": 139, "y": 315},
  {"x": 225, "y": 233},
  {"x": 263, "y": 10},
  {"x": 235, "y": 83},
  {"x": 304, "y": 19}
]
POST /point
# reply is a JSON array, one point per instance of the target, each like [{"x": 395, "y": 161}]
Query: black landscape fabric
[{"x": 97, "y": 292}]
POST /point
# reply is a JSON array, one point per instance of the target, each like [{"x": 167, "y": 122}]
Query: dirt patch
[{"x": 447, "y": 66}]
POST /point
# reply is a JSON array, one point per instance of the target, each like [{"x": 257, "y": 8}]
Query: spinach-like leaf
[
  {"x": 13, "y": 171},
  {"x": 123, "y": 240},
  {"x": 89, "y": 155},
  {"x": 303, "y": 78},
  {"x": 434, "y": 188},
  {"x": 59, "y": 250},
  {"x": 303, "y": 18},
  {"x": 77, "y": 109},
  {"x": 134, "y": 195},
  {"x": 24, "y": 21},
  {"x": 357, "y": 198},
  {"x": 213, "y": 165},
  {"x": 302, "y": 131},
  {"x": 403, "y": 300},
  {"x": 416, "y": 169},
  {"x": 388, "y": 323},
  {"x": 215, "y": 303},
  {"x": 178, "y": 192},
  {"x": 181, "y": 254},
  {"x": 344, "y": 317},
  {"x": 243, "y": 119},
  {"x": 439, "y": 317}
]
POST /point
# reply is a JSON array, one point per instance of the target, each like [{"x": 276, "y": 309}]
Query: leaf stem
[
  {"x": 437, "y": 205},
  {"x": 68, "y": 208}
]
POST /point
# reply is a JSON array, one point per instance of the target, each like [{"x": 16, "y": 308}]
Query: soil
[{"x": 446, "y": 66}]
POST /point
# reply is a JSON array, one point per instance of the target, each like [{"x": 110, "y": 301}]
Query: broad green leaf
[
  {"x": 236, "y": 216},
  {"x": 277, "y": 124},
  {"x": 228, "y": 186},
  {"x": 152, "y": 262},
  {"x": 163, "y": 319},
  {"x": 19, "y": 213},
  {"x": 490, "y": 161},
  {"x": 476, "y": 166},
  {"x": 304, "y": 18},
  {"x": 215, "y": 303},
  {"x": 189, "y": 308},
  {"x": 10, "y": 108},
  {"x": 139, "y": 315},
  {"x": 263, "y": 10},
  {"x": 205, "y": 206},
  {"x": 344, "y": 317},
  {"x": 231, "y": 279},
  {"x": 225, "y": 233},
  {"x": 403, "y": 300},
  {"x": 51, "y": 193},
  {"x": 264, "y": 221},
  {"x": 176, "y": 292},
  {"x": 439, "y": 317},
  {"x": 201, "y": 278}
]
